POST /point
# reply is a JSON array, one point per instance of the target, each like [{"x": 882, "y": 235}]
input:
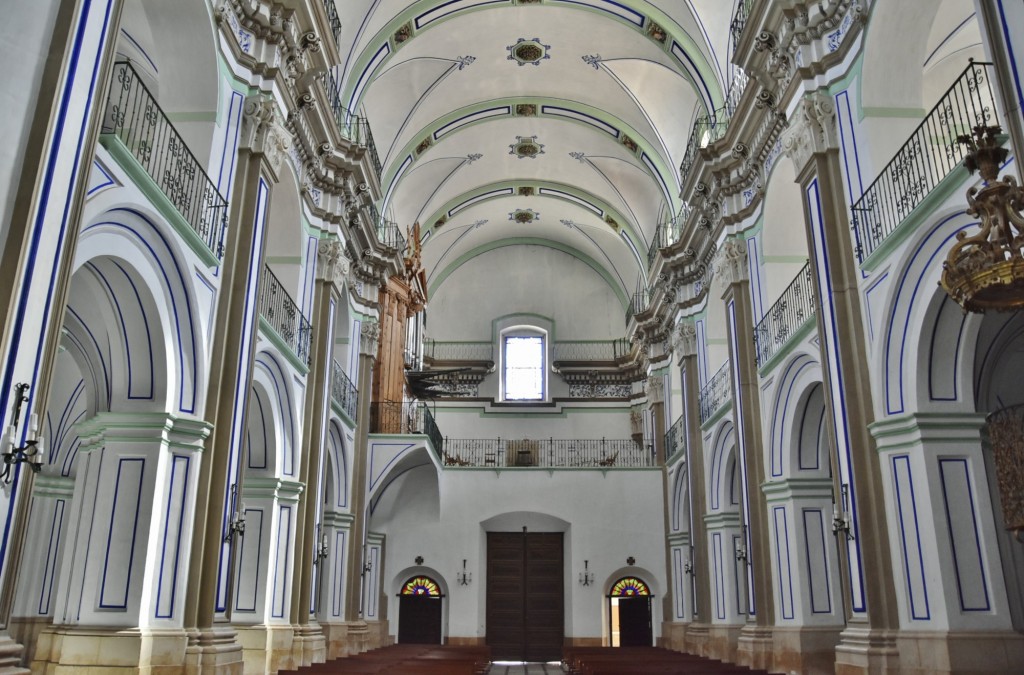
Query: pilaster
[{"x": 812, "y": 144}]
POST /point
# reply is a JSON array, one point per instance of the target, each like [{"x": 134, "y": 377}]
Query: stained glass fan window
[
  {"x": 421, "y": 586},
  {"x": 629, "y": 587}
]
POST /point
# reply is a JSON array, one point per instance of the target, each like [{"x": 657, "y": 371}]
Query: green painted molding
[
  {"x": 284, "y": 489},
  {"x": 719, "y": 414},
  {"x": 530, "y": 315},
  {"x": 921, "y": 213},
  {"x": 282, "y": 346},
  {"x": 53, "y": 487},
  {"x": 785, "y": 489},
  {"x": 719, "y": 520},
  {"x": 340, "y": 519},
  {"x": 529, "y": 241},
  {"x": 515, "y": 184},
  {"x": 126, "y": 160},
  {"x": 343, "y": 414},
  {"x": 672, "y": 29},
  {"x": 678, "y": 538}
]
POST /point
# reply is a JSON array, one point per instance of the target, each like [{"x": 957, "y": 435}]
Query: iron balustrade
[
  {"x": 390, "y": 235},
  {"x": 405, "y": 417},
  {"x": 284, "y": 316},
  {"x": 928, "y": 156},
  {"x": 333, "y": 20},
  {"x": 599, "y": 350},
  {"x": 343, "y": 391},
  {"x": 715, "y": 394},
  {"x": 352, "y": 127},
  {"x": 637, "y": 304},
  {"x": 794, "y": 308},
  {"x": 739, "y": 21},
  {"x": 458, "y": 351},
  {"x": 133, "y": 116},
  {"x": 546, "y": 453},
  {"x": 708, "y": 128},
  {"x": 1006, "y": 440},
  {"x": 699, "y": 134},
  {"x": 665, "y": 235},
  {"x": 675, "y": 438}
]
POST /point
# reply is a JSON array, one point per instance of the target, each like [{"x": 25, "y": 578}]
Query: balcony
[
  {"x": 715, "y": 394},
  {"x": 133, "y": 116},
  {"x": 665, "y": 235},
  {"x": 708, "y": 128},
  {"x": 930, "y": 154},
  {"x": 675, "y": 439},
  {"x": 739, "y": 21},
  {"x": 352, "y": 127},
  {"x": 546, "y": 453},
  {"x": 333, "y": 20},
  {"x": 638, "y": 304},
  {"x": 401, "y": 418},
  {"x": 390, "y": 235},
  {"x": 590, "y": 351},
  {"x": 457, "y": 351},
  {"x": 792, "y": 311},
  {"x": 343, "y": 392},
  {"x": 281, "y": 313}
]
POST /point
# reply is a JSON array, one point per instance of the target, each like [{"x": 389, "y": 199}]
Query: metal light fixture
[
  {"x": 586, "y": 576},
  {"x": 688, "y": 568},
  {"x": 236, "y": 526},
  {"x": 841, "y": 521},
  {"x": 741, "y": 546},
  {"x": 322, "y": 551},
  {"x": 464, "y": 577},
  {"x": 33, "y": 452},
  {"x": 986, "y": 270}
]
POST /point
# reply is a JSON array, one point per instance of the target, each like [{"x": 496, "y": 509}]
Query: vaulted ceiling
[{"x": 558, "y": 123}]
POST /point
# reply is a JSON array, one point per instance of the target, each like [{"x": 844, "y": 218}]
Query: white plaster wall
[
  {"x": 525, "y": 279},
  {"x": 610, "y": 516},
  {"x": 25, "y": 27}
]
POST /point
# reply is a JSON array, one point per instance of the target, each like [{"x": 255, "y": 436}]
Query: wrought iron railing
[
  {"x": 343, "y": 391},
  {"x": 390, "y": 235},
  {"x": 739, "y": 21},
  {"x": 665, "y": 234},
  {"x": 675, "y": 438},
  {"x": 928, "y": 156},
  {"x": 350, "y": 125},
  {"x": 546, "y": 453},
  {"x": 699, "y": 134},
  {"x": 1006, "y": 438},
  {"x": 133, "y": 116},
  {"x": 333, "y": 20},
  {"x": 284, "y": 316},
  {"x": 405, "y": 417},
  {"x": 791, "y": 311},
  {"x": 715, "y": 394},
  {"x": 458, "y": 351},
  {"x": 637, "y": 304},
  {"x": 600, "y": 350}
]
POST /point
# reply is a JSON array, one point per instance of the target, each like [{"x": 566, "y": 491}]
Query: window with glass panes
[{"x": 524, "y": 368}]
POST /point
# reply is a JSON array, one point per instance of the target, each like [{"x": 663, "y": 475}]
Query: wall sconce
[
  {"x": 322, "y": 551},
  {"x": 34, "y": 450},
  {"x": 237, "y": 523},
  {"x": 741, "y": 546},
  {"x": 841, "y": 521},
  {"x": 464, "y": 577},
  {"x": 688, "y": 568},
  {"x": 586, "y": 576}
]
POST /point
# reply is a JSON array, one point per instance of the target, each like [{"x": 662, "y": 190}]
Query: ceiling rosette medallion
[
  {"x": 528, "y": 51},
  {"x": 526, "y": 147}
]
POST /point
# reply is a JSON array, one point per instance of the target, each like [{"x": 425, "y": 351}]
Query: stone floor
[{"x": 505, "y": 668}]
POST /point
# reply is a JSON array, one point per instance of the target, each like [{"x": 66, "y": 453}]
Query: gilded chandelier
[{"x": 986, "y": 270}]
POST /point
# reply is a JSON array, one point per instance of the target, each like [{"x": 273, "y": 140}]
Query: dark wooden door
[
  {"x": 525, "y": 600},
  {"x": 635, "y": 622},
  {"x": 419, "y": 619}
]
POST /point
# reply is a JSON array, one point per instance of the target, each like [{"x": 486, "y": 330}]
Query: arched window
[
  {"x": 523, "y": 361},
  {"x": 629, "y": 587},
  {"x": 421, "y": 586}
]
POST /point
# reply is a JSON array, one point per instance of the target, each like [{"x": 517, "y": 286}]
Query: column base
[
  {"x": 345, "y": 638},
  {"x": 11, "y": 654},
  {"x": 213, "y": 651},
  {"x": 267, "y": 648},
  {"x": 377, "y": 635},
  {"x": 458, "y": 641},
  {"x": 866, "y": 650},
  {"x": 698, "y": 639},
  {"x": 960, "y": 652},
  {"x": 309, "y": 645},
  {"x": 755, "y": 647},
  {"x": 673, "y": 635},
  {"x": 722, "y": 641},
  {"x": 65, "y": 649},
  {"x": 805, "y": 649}
]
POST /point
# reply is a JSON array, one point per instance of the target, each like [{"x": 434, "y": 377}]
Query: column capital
[
  {"x": 685, "y": 338},
  {"x": 263, "y": 130},
  {"x": 654, "y": 387},
  {"x": 731, "y": 262},
  {"x": 813, "y": 129},
  {"x": 332, "y": 265},
  {"x": 369, "y": 337}
]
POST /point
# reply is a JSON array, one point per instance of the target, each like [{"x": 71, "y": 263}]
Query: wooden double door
[{"x": 525, "y": 596}]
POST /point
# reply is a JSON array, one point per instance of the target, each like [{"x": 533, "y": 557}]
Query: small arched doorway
[
  {"x": 419, "y": 612},
  {"x": 629, "y": 607}
]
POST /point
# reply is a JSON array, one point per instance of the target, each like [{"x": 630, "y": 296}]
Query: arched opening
[
  {"x": 420, "y": 611},
  {"x": 629, "y": 613}
]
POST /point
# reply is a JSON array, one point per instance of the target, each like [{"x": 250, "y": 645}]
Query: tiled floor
[{"x": 526, "y": 669}]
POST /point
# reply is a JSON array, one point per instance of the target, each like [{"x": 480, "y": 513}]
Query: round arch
[{"x": 797, "y": 419}]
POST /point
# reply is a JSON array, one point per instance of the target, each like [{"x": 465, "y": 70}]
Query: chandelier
[{"x": 986, "y": 270}]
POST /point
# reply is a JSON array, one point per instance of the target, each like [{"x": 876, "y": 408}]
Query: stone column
[
  {"x": 868, "y": 643},
  {"x": 71, "y": 95},
  {"x": 1004, "y": 47},
  {"x": 357, "y": 628},
  {"x": 655, "y": 390},
  {"x": 700, "y": 579},
  {"x": 331, "y": 270},
  {"x": 755, "y": 643},
  {"x": 264, "y": 141}
]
